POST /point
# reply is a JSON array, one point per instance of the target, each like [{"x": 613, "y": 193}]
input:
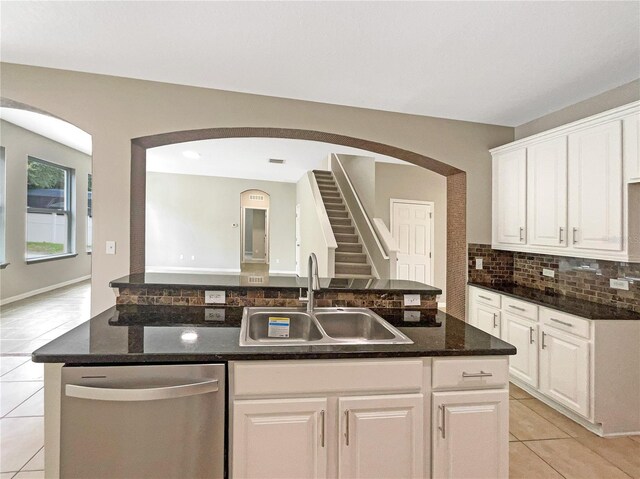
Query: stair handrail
[
  {"x": 389, "y": 243},
  {"x": 376, "y": 252}
]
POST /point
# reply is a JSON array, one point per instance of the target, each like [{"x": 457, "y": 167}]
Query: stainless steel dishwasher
[{"x": 143, "y": 422}]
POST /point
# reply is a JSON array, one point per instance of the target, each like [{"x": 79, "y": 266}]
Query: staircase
[{"x": 350, "y": 260}]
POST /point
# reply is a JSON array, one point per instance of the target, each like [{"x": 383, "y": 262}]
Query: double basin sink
[{"x": 324, "y": 326}]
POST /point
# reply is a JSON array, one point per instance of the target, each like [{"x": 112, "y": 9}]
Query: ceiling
[
  {"x": 248, "y": 158},
  {"x": 49, "y": 127},
  {"x": 499, "y": 62}
]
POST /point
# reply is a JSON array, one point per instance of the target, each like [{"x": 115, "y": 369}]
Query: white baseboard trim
[{"x": 43, "y": 290}]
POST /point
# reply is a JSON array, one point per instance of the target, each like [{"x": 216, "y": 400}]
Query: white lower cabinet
[
  {"x": 468, "y": 434},
  {"x": 381, "y": 436},
  {"x": 564, "y": 369},
  {"x": 268, "y": 433},
  {"x": 523, "y": 334}
]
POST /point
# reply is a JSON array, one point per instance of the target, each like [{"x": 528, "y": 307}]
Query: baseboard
[{"x": 46, "y": 289}]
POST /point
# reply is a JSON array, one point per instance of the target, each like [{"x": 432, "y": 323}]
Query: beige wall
[
  {"x": 193, "y": 215},
  {"x": 627, "y": 93},
  {"x": 20, "y": 278},
  {"x": 115, "y": 110},
  {"x": 405, "y": 182},
  {"x": 361, "y": 170}
]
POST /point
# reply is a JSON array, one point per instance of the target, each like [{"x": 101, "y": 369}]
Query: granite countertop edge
[{"x": 582, "y": 308}]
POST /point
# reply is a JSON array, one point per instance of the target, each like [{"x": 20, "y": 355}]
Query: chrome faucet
[{"x": 313, "y": 283}]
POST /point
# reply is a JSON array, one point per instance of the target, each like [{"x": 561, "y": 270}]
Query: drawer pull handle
[
  {"x": 569, "y": 325},
  {"x": 481, "y": 374},
  {"x": 485, "y": 297},
  {"x": 530, "y": 335},
  {"x": 517, "y": 307},
  {"x": 442, "y": 427}
]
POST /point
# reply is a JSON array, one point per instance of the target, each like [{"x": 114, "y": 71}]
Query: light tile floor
[
  {"x": 25, "y": 326},
  {"x": 544, "y": 443}
]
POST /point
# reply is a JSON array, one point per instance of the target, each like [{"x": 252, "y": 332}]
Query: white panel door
[
  {"x": 279, "y": 438},
  {"x": 523, "y": 334},
  {"x": 564, "y": 369},
  {"x": 381, "y": 437},
  {"x": 470, "y": 434},
  {"x": 595, "y": 187},
  {"x": 412, "y": 230},
  {"x": 547, "y": 192},
  {"x": 510, "y": 201},
  {"x": 486, "y": 318}
]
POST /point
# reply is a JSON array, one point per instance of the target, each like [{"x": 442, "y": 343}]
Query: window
[
  {"x": 49, "y": 218},
  {"x": 3, "y": 199},
  {"x": 89, "y": 215}
]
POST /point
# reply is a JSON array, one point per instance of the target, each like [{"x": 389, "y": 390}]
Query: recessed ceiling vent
[{"x": 276, "y": 161}]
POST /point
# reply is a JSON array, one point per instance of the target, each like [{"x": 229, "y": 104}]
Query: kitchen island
[{"x": 437, "y": 407}]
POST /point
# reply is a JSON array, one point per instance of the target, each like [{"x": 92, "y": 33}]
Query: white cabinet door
[
  {"x": 381, "y": 436},
  {"x": 279, "y": 438},
  {"x": 486, "y": 318},
  {"x": 510, "y": 196},
  {"x": 631, "y": 147},
  {"x": 470, "y": 434},
  {"x": 547, "y": 193},
  {"x": 595, "y": 187},
  {"x": 564, "y": 369},
  {"x": 523, "y": 334}
]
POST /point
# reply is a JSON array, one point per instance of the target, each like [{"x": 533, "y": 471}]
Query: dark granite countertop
[
  {"x": 182, "y": 280},
  {"x": 133, "y": 334},
  {"x": 578, "y": 307}
]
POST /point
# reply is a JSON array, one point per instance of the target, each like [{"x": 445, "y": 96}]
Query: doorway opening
[{"x": 254, "y": 231}]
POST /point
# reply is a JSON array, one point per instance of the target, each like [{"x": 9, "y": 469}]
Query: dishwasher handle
[{"x": 149, "y": 394}]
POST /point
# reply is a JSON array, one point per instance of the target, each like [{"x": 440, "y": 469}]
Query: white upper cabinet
[
  {"x": 595, "y": 187},
  {"x": 581, "y": 182},
  {"x": 547, "y": 192},
  {"x": 510, "y": 196}
]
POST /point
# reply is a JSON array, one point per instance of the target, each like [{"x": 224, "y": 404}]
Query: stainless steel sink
[{"x": 323, "y": 326}]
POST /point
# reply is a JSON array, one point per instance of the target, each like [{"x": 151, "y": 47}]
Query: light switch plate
[
  {"x": 214, "y": 297},
  {"x": 478, "y": 263},
  {"x": 214, "y": 314},
  {"x": 412, "y": 300},
  {"x": 549, "y": 273},
  {"x": 622, "y": 284},
  {"x": 111, "y": 247}
]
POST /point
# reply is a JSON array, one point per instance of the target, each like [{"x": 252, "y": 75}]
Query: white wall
[
  {"x": 192, "y": 216},
  {"x": 114, "y": 110},
  {"x": 20, "y": 278},
  {"x": 361, "y": 170},
  {"x": 407, "y": 182},
  {"x": 312, "y": 238}
]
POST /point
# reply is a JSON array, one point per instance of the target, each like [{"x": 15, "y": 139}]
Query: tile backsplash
[
  {"x": 574, "y": 277},
  {"x": 267, "y": 297}
]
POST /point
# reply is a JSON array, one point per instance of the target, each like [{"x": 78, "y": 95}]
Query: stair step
[
  {"x": 322, "y": 173},
  {"x": 351, "y": 257},
  {"x": 337, "y": 213},
  {"x": 349, "y": 248},
  {"x": 346, "y": 238},
  {"x": 331, "y": 200},
  {"x": 344, "y": 221},
  {"x": 343, "y": 229},
  {"x": 325, "y": 181},
  {"x": 329, "y": 194},
  {"x": 352, "y": 268}
]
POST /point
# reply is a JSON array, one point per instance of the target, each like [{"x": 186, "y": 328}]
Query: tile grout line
[
  {"x": 6, "y": 415},
  {"x": 23, "y": 466}
]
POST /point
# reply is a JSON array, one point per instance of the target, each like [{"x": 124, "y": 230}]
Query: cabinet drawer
[
  {"x": 520, "y": 308},
  {"x": 261, "y": 378},
  {"x": 486, "y": 297},
  {"x": 470, "y": 373},
  {"x": 566, "y": 322}
]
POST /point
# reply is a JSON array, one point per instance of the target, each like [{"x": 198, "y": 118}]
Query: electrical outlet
[
  {"x": 619, "y": 284},
  {"x": 111, "y": 247},
  {"x": 214, "y": 314},
  {"x": 478, "y": 263},
  {"x": 549, "y": 273},
  {"x": 412, "y": 300},
  {"x": 214, "y": 297}
]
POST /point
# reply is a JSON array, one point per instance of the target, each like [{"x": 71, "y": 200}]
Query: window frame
[{"x": 68, "y": 211}]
